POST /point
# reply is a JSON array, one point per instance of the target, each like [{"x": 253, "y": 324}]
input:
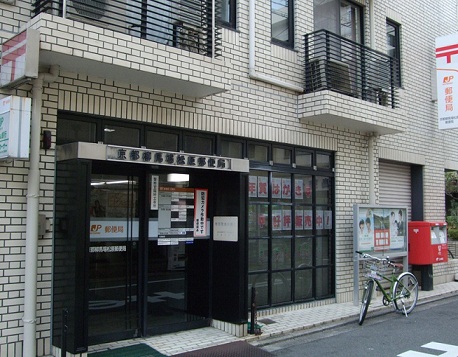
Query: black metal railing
[
  {"x": 335, "y": 63},
  {"x": 185, "y": 24}
]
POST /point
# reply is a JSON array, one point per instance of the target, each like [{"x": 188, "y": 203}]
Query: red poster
[{"x": 286, "y": 220}]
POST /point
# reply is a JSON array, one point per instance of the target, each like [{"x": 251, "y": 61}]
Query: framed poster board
[{"x": 380, "y": 231}]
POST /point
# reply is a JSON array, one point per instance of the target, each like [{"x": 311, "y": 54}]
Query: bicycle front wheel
[
  {"x": 405, "y": 292},
  {"x": 367, "y": 295}
]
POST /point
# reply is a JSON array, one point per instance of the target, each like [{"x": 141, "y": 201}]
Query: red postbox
[{"x": 427, "y": 243}]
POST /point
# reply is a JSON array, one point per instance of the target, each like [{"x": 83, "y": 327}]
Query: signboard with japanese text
[
  {"x": 299, "y": 219},
  {"x": 286, "y": 220},
  {"x": 276, "y": 219},
  {"x": 299, "y": 189},
  {"x": 225, "y": 229},
  {"x": 181, "y": 216},
  {"x": 176, "y": 213},
  {"x": 15, "y": 127},
  {"x": 154, "y": 192},
  {"x": 447, "y": 80},
  {"x": 285, "y": 216},
  {"x": 200, "y": 212},
  {"x": 180, "y": 159},
  {"x": 308, "y": 219},
  {"x": 113, "y": 229},
  {"x": 276, "y": 187}
]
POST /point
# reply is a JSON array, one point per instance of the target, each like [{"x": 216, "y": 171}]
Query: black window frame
[
  {"x": 231, "y": 23},
  {"x": 338, "y": 31},
  {"x": 219, "y": 146},
  {"x": 269, "y": 169},
  {"x": 267, "y": 274},
  {"x": 397, "y": 48},
  {"x": 290, "y": 42}
]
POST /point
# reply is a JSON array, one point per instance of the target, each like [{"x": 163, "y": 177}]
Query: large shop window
[{"x": 291, "y": 230}]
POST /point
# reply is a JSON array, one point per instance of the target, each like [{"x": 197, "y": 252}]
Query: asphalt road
[{"x": 389, "y": 334}]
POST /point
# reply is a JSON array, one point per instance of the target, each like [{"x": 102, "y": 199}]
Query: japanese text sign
[{"x": 447, "y": 80}]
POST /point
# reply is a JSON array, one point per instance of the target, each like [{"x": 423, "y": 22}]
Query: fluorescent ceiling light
[
  {"x": 117, "y": 182},
  {"x": 100, "y": 183},
  {"x": 177, "y": 178}
]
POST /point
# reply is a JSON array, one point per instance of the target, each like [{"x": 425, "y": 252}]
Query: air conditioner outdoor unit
[
  {"x": 187, "y": 37},
  {"x": 329, "y": 74},
  {"x": 188, "y": 32},
  {"x": 379, "y": 81},
  {"x": 380, "y": 96},
  {"x": 109, "y": 14}
]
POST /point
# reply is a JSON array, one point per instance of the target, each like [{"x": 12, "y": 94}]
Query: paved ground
[{"x": 276, "y": 325}]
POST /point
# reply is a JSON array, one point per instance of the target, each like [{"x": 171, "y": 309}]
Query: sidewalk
[{"x": 276, "y": 325}]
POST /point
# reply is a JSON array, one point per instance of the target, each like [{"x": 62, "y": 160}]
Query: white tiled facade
[{"x": 243, "y": 107}]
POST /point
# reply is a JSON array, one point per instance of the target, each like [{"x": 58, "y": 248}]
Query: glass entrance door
[
  {"x": 166, "y": 285},
  {"x": 113, "y": 258},
  {"x": 149, "y": 277},
  {"x": 177, "y": 263}
]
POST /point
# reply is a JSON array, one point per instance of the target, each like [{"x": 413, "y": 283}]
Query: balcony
[
  {"x": 171, "y": 45},
  {"x": 350, "y": 86}
]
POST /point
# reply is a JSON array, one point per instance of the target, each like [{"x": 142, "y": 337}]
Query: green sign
[
  {"x": 4, "y": 137},
  {"x": 15, "y": 127}
]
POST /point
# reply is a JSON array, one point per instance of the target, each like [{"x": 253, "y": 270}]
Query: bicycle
[{"x": 403, "y": 291}]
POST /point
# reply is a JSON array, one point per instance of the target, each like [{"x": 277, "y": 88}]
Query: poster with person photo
[{"x": 379, "y": 228}]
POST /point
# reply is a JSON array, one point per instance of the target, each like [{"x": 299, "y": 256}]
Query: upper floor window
[
  {"x": 282, "y": 22},
  {"x": 393, "y": 46},
  {"x": 227, "y": 16},
  {"x": 341, "y": 17}
]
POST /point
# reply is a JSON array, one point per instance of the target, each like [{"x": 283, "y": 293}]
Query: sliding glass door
[{"x": 113, "y": 257}]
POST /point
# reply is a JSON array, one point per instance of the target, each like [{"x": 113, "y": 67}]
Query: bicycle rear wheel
[
  {"x": 405, "y": 292},
  {"x": 367, "y": 295}
]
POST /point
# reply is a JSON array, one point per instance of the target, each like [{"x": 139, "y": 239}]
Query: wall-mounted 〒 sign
[
  {"x": 19, "y": 61},
  {"x": 447, "y": 80},
  {"x": 15, "y": 127}
]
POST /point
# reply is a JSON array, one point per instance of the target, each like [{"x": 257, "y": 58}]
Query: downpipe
[
  {"x": 371, "y": 167},
  {"x": 33, "y": 195}
]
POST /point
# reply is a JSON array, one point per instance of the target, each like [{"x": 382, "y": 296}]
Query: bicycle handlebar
[{"x": 383, "y": 260}]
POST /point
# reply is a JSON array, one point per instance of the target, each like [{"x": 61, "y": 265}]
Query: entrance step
[
  {"x": 140, "y": 350},
  {"x": 232, "y": 349}
]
